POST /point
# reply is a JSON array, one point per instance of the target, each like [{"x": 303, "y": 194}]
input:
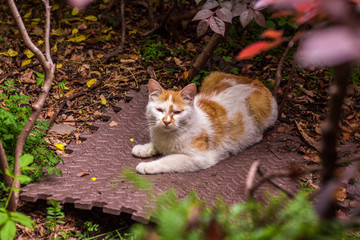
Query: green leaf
[
  {"x": 40, "y": 75},
  {"x": 10, "y": 174},
  {"x": 3, "y": 217},
  {"x": 8, "y": 230},
  {"x": 22, "y": 219},
  {"x": 26, "y": 160},
  {"x": 23, "y": 179}
]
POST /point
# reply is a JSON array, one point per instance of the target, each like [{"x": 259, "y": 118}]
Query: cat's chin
[{"x": 167, "y": 128}]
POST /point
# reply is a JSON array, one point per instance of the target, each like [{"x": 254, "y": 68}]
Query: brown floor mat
[{"x": 107, "y": 152}]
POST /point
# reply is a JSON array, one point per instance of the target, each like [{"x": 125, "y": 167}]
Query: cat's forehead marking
[{"x": 172, "y": 96}]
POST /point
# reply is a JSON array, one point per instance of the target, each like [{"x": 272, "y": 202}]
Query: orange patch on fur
[
  {"x": 259, "y": 103},
  {"x": 216, "y": 81},
  {"x": 201, "y": 142},
  {"x": 175, "y": 97},
  {"x": 218, "y": 117},
  {"x": 235, "y": 127}
]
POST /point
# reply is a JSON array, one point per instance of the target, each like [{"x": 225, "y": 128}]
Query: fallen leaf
[
  {"x": 12, "y": 53},
  {"x": 103, "y": 100},
  {"x": 91, "y": 82},
  {"x": 77, "y": 138},
  {"x": 63, "y": 129},
  {"x": 26, "y": 62},
  {"x": 29, "y": 53},
  {"x": 113, "y": 124},
  {"x": 81, "y": 174},
  {"x": 94, "y": 178},
  {"x": 91, "y": 18},
  {"x": 77, "y": 39},
  {"x": 340, "y": 194},
  {"x": 60, "y": 146}
]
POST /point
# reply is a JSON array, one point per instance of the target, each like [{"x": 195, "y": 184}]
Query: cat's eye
[
  {"x": 159, "y": 110},
  {"x": 177, "y": 112}
]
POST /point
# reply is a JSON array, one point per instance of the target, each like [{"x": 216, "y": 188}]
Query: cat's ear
[
  {"x": 154, "y": 89},
  {"x": 188, "y": 93}
]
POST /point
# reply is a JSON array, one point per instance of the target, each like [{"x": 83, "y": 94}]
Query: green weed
[
  {"x": 153, "y": 50},
  {"x": 54, "y": 215},
  {"x": 14, "y": 111}
]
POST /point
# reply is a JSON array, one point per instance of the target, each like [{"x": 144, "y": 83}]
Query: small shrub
[{"x": 14, "y": 111}]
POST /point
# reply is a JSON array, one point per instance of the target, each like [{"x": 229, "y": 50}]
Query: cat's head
[{"x": 167, "y": 109}]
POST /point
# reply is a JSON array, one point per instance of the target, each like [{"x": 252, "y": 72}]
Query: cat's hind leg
[
  {"x": 176, "y": 163},
  {"x": 144, "y": 151}
]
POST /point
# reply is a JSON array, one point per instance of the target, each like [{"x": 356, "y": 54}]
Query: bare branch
[
  {"x": 250, "y": 178},
  {"x": 49, "y": 69},
  {"x": 4, "y": 166}
]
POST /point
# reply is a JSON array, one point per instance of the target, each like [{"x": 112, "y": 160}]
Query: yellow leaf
[
  {"x": 77, "y": 39},
  {"x": 108, "y": 37},
  {"x": 80, "y": 111},
  {"x": 186, "y": 75},
  {"x": 40, "y": 42},
  {"x": 59, "y": 65},
  {"x": 75, "y": 31},
  {"x": 75, "y": 11},
  {"x": 133, "y": 31},
  {"x": 94, "y": 179},
  {"x": 36, "y": 19},
  {"x": 29, "y": 53},
  {"x": 91, "y": 18},
  {"x": 108, "y": 29},
  {"x": 12, "y": 53},
  {"x": 131, "y": 139},
  {"x": 55, "y": 7},
  {"x": 91, "y": 82},
  {"x": 54, "y": 48},
  {"x": 26, "y": 62},
  {"x": 60, "y": 146},
  {"x": 28, "y": 14},
  {"x": 99, "y": 55},
  {"x": 103, "y": 100}
]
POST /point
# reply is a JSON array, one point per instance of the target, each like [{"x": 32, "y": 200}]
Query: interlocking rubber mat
[{"x": 107, "y": 152}]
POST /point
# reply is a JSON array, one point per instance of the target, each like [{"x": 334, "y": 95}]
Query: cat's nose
[{"x": 166, "y": 122}]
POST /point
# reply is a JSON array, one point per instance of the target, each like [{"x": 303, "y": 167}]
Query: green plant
[
  {"x": 279, "y": 219},
  {"x": 54, "y": 215},
  {"x": 9, "y": 219},
  {"x": 355, "y": 76},
  {"x": 153, "y": 50},
  {"x": 198, "y": 78},
  {"x": 14, "y": 111},
  {"x": 40, "y": 80}
]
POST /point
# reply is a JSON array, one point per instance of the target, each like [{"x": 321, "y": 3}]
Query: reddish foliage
[{"x": 252, "y": 50}]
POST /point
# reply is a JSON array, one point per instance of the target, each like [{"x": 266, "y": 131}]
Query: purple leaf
[
  {"x": 202, "y": 28},
  {"x": 203, "y": 14},
  {"x": 227, "y": 4},
  {"x": 329, "y": 47},
  {"x": 246, "y": 17},
  {"x": 259, "y": 18},
  {"x": 238, "y": 9},
  {"x": 210, "y": 4},
  {"x": 224, "y": 14},
  {"x": 197, "y": 2},
  {"x": 217, "y": 25}
]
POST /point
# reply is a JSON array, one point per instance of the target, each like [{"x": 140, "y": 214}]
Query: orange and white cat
[{"x": 196, "y": 131}]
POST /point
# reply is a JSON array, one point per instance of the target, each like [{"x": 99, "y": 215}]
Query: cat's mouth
[{"x": 167, "y": 128}]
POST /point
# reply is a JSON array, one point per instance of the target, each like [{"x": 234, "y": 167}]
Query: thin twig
[
  {"x": 119, "y": 49},
  {"x": 4, "y": 166},
  {"x": 250, "y": 178},
  {"x": 298, "y": 171},
  {"x": 173, "y": 6},
  {"x": 49, "y": 69}
]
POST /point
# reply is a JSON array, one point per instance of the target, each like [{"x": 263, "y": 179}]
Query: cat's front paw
[
  {"x": 144, "y": 151},
  {"x": 146, "y": 168}
]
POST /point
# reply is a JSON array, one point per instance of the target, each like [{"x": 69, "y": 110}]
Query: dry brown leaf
[
  {"x": 113, "y": 124},
  {"x": 307, "y": 138},
  {"x": 27, "y": 77},
  {"x": 69, "y": 93},
  {"x": 340, "y": 194},
  {"x": 77, "y": 138},
  {"x": 81, "y": 174},
  {"x": 70, "y": 120}
]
